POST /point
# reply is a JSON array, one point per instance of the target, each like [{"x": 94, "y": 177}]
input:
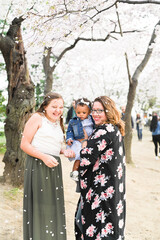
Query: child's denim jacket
[{"x": 75, "y": 129}]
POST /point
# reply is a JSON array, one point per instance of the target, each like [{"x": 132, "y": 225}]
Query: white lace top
[{"x": 48, "y": 138}]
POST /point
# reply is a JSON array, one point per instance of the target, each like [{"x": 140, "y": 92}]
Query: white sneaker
[
  {"x": 156, "y": 158},
  {"x": 159, "y": 154},
  {"x": 75, "y": 175}
]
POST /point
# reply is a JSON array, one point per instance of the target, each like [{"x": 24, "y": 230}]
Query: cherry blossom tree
[
  {"x": 20, "y": 100},
  {"x": 57, "y": 25}
]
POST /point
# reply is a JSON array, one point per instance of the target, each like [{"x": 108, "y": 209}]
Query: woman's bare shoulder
[{"x": 35, "y": 118}]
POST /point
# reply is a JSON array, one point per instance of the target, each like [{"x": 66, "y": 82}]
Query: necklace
[{"x": 52, "y": 123}]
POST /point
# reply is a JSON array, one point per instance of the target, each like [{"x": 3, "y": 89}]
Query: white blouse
[{"x": 48, "y": 138}]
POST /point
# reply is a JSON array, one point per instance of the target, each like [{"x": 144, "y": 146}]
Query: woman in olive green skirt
[{"x": 43, "y": 205}]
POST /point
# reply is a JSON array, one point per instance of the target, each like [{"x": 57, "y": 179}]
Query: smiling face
[
  {"x": 54, "y": 110},
  {"x": 98, "y": 113},
  {"x": 82, "y": 111}
]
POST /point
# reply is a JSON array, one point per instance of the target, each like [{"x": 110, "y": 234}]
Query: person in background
[
  {"x": 80, "y": 126},
  {"x": 123, "y": 109},
  {"x": 155, "y": 129},
  {"x": 102, "y": 205},
  {"x": 43, "y": 202},
  {"x": 139, "y": 126},
  {"x": 71, "y": 112}
]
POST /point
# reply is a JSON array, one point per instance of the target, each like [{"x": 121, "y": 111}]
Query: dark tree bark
[
  {"x": 21, "y": 101},
  {"x": 48, "y": 70}
]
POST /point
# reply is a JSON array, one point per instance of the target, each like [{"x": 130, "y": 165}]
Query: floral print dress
[{"x": 102, "y": 181}]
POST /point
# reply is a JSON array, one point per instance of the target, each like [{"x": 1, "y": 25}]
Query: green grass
[
  {"x": 2, "y": 144},
  {"x": 13, "y": 194}
]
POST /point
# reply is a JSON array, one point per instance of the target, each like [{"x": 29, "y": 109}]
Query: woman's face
[
  {"x": 54, "y": 110},
  {"x": 98, "y": 113}
]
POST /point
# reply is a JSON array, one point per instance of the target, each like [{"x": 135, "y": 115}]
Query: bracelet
[{"x": 83, "y": 140}]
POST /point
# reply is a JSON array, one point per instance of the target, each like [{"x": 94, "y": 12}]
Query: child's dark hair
[{"x": 83, "y": 102}]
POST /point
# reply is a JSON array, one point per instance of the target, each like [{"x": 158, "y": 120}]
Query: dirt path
[{"x": 143, "y": 197}]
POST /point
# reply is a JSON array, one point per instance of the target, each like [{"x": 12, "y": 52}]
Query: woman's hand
[
  {"x": 50, "y": 161},
  {"x": 69, "y": 153}
]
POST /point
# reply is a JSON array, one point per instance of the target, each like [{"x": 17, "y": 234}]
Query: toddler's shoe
[{"x": 75, "y": 175}]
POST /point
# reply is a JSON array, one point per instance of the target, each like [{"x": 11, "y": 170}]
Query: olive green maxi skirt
[{"x": 43, "y": 203}]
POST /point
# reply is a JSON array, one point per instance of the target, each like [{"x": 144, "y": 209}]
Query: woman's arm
[{"x": 30, "y": 130}]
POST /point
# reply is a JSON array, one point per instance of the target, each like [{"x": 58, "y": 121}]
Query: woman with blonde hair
[{"x": 102, "y": 176}]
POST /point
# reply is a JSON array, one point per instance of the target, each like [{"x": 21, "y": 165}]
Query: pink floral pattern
[
  {"x": 101, "y": 216},
  {"x": 102, "y": 180},
  {"x": 84, "y": 162},
  {"x": 89, "y": 194},
  {"x": 91, "y": 230},
  {"x": 107, "y": 229},
  {"x": 107, "y": 193},
  {"x": 119, "y": 208},
  {"x": 102, "y": 145},
  {"x": 83, "y": 184},
  {"x": 96, "y": 202},
  {"x": 120, "y": 171},
  {"x": 98, "y": 134}
]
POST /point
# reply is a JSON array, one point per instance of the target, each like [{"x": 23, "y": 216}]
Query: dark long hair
[
  {"x": 47, "y": 99},
  {"x": 153, "y": 124},
  {"x": 112, "y": 114}
]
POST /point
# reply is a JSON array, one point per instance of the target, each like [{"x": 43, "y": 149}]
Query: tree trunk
[
  {"x": 133, "y": 82},
  {"x": 48, "y": 70},
  {"x": 21, "y": 101},
  {"x": 128, "y": 127}
]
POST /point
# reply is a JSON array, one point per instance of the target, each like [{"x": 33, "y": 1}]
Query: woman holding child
[{"x": 102, "y": 175}]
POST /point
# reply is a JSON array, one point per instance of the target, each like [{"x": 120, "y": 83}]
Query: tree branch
[
  {"x": 139, "y": 1},
  {"x": 5, "y": 21},
  {"x": 16, "y": 23},
  {"x": 145, "y": 60},
  {"x": 126, "y": 57},
  {"x": 75, "y": 43},
  {"x": 128, "y": 70}
]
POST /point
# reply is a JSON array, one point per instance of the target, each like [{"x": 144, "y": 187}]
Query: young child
[{"x": 78, "y": 128}]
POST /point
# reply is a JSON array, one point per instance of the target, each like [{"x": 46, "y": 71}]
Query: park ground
[{"x": 143, "y": 197}]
